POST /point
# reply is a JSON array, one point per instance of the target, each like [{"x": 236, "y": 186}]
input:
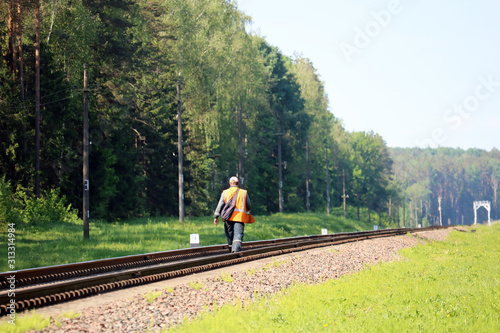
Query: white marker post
[
  {"x": 375, "y": 227},
  {"x": 324, "y": 231},
  {"x": 194, "y": 240}
]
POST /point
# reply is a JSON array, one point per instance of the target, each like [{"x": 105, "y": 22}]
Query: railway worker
[{"x": 235, "y": 225}]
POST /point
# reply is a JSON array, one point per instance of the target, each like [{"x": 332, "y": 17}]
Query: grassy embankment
[
  {"x": 451, "y": 286},
  {"x": 60, "y": 243}
]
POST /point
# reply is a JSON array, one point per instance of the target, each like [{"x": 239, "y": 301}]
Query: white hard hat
[{"x": 234, "y": 180}]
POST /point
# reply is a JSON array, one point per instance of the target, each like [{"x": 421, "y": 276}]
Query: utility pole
[
  {"x": 389, "y": 205},
  {"x": 21, "y": 75},
  {"x": 404, "y": 212},
  {"x": 327, "y": 184},
  {"x": 240, "y": 130},
  {"x": 397, "y": 219},
  {"x": 179, "y": 153},
  {"x": 280, "y": 172},
  {"x": 422, "y": 211},
  {"x": 86, "y": 206},
  {"x": 343, "y": 195},
  {"x": 37, "y": 98},
  {"x": 495, "y": 188},
  {"x": 308, "y": 193},
  {"x": 411, "y": 214},
  {"x": 416, "y": 213},
  {"x": 440, "y": 214}
]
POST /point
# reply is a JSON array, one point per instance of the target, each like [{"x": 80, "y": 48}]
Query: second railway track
[{"x": 43, "y": 286}]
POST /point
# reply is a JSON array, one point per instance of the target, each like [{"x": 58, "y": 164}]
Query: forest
[
  {"x": 176, "y": 83},
  {"x": 459, "y": 177}
]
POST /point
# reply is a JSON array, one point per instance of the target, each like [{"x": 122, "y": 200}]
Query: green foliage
[
  {"x": 227, "y": 277},
  {"x": 444, "y": 286},
  {"x": 320, "y": 134},
  {"x": 458, "y": 176},
  {"x": 151, "y": 296},
  {"x": 196, "y": 285},
  {"x": 51, "y": 207},
  {"x": 10, "y": 207},
  {"x": 136, "y": 52},
  {"x": 373, "y": 168},
  {"x": 26, "y": 322}
]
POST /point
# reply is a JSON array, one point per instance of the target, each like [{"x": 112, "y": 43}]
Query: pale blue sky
[{"x": 418, "y": 72}]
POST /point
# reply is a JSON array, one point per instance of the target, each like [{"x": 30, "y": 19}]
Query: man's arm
[
  {"x": 248, "y": 204},
  {"x": 220, "y": 205}
]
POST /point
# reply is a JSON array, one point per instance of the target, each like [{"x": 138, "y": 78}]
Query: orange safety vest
[{"x": 240, "y": 213}]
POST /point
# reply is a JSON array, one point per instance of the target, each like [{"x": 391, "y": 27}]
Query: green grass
[
  {"x": 150, "y": 296},
  {"x": 32, "y": 321},
  {"x": 451, "y": 286},
  {"x": 60, "y": 243},
  {"x": 24, "y": 323}
]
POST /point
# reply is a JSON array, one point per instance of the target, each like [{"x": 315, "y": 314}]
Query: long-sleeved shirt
[{"x": 221, "y": 204}]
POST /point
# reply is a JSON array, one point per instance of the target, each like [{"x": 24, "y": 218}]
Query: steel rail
[
  {"x": 39, "y": 275},
  {"x": 124, "y": 272}
]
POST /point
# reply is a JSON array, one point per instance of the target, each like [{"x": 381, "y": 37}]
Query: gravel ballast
[{"x": 175, "y": 304}]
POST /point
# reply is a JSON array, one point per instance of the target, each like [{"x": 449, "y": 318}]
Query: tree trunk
[
  {"x": 37, "y": 98},
  {"x": 343, "y": 191},
  {"x": 411, "y": 215},
  {"x": 404, "y": 212},
  {"x": 357, "y": 203},
  {"x": 308, "y": 192},
  {"x": 240, "y": 144},
  {"x": 180, "y": 153},
  {"x": 495, "y": 189},
  {"x": 21, "y": 73},
  {"x": 12, "y": 37},
  {"x": 280, "y": 172},
  {"x": 327, "y": 184}
]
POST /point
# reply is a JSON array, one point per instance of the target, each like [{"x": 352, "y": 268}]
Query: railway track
[{"x": 43, "y": 286}]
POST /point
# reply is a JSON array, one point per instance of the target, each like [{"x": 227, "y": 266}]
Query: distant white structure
[{"x": 477, "y": 205}]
